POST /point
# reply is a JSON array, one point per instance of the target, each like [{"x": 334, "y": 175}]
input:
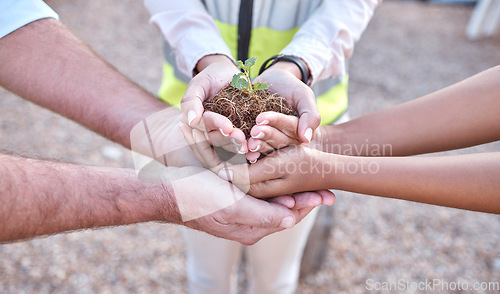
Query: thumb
[
  {"x": 308, "y": 123},
  {"x": 309, "y": 117},
  {"x": 262, "y": 214},
  {"x": 192, "y": 107}
]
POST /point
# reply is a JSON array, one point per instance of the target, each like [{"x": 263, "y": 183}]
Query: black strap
[
  {"x": 297, "y": 61},
  {"x": 244, "y": 28}
]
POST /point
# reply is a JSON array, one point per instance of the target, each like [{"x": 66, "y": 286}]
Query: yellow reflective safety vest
[{"x": 259, "y": 29}]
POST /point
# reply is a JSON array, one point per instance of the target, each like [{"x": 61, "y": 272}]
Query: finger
[
  {"x": 216, "y": 139},
  {"x": 214, "y": 121},
  {"x": 287, "y": 124},
  {"x": 261, "y": 171},
  {"x": 307, "y": 199},
  {"x": 273, "y": 136},
  {"x": 210, "y": 159},
  {"x": 309, "y": 118},
  {"x": 252, "y": 156},
  {"x": 187, "y": 132},
  {"x": 287, "y": 201},
  {"x": 308, "y": 123},
  {"x": 217, "y": 122},
  {"x": 327, "y": 196},
  {"x": 259, "y": 146},
  {"x": 300, "y": 214},
  {"x": 192, "y": 103},
  {"x": 264, "y": 214}
]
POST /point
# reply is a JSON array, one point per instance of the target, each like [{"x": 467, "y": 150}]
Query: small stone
[{"x": 496, "y": 264}]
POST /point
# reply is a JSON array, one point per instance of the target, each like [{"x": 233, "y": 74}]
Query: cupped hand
[
  {"x": 216, "y": 72},
  {"x": 297, "y": 94}
]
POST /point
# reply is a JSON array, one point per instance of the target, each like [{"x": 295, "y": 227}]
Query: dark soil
[{"x": 242, "y": 106}]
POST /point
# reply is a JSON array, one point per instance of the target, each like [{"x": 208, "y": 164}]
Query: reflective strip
[
  {"x": 279, "y": 15},
  {"x": 172, "y": 89},
  {"x": 264, "y": 42},
  {"x": 333, "y": 103}
]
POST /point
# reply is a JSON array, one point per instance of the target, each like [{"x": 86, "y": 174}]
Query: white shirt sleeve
[
  {"x": 189, "y": 29},
  {"x": 327, "y": 38},
  {"x": 17, "y": 13}
]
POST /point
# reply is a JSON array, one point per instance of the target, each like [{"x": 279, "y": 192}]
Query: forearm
[
  {"x": 465, "y": 181},
  {"x": 46, "y": 64},
  {"x": 462, "y": 115},
  {"x": 43, "y": 197}
]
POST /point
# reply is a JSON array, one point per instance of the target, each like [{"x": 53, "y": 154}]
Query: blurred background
[{"x": 410, "y": 48}]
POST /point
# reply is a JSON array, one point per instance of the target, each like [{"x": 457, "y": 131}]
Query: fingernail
[
  {"x": 287, "y": 222},
  {"x": 256, "y": 149},
  {"x": 308, "y": 134},
  {"x": 222, "y": 132},
  {"x": 191, "y": 116},
  {"x": 253, "y": 161},
  {"x": 259, "y": 135},
  {"x": 226, "y": 174},
  {"x": 264, "y": 122}
]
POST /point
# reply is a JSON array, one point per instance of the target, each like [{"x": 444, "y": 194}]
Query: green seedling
[{"x": 242, "y": 80}]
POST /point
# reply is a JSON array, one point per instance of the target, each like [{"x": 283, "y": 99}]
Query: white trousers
[{"x": 274, "y": 261}]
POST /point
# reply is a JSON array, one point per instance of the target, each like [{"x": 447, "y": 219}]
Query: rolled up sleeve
[{"x": 18, "y": 13}]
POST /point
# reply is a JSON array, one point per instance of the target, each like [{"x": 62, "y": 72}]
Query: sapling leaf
[
  {"x": 240, "y": 82},
  {"x": 240, "y": 64},
  {"x": 260, "y": 86},
  {"x": 250, "y": 62}
]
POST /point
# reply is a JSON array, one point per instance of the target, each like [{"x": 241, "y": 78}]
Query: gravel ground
[{"x": 409, "y": 49}]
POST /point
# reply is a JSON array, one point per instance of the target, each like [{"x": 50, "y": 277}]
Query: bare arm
[
  {"x": 462, "y": 115},
  {"x": 43, "y": 197},
  {"x": 465, "y": 181},
  {"x": 46, "y": 64}
]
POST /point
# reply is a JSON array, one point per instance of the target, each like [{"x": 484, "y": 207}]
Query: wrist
[
  {"x": 292, "y": 64},
  {"x": 332, "y": 139},
  {"x": 327, "y": 163},
  {"x": 206, "y": 60},
  {"x": 286, "y": 66}
]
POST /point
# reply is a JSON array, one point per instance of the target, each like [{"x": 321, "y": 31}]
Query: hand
[
  {"x": 281, "y": 79},
  {"x": 275, "y": 131},
  {"x": 215, "y": 206},
  {"x": 216, "y": 72},
  {"x": 289, "y": 170},
  {"x": 205, "y": 154},
  {"x": 157, "y": 137}
]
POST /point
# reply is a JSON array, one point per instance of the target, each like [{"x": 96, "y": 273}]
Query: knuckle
[{"x": 266, "y": 221}]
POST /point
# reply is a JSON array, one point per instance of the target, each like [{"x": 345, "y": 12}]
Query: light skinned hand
[
  {"x": 275, "y": 131},
  {"x": 280, "y": 79},
  {"x": 215, "y": 72}
]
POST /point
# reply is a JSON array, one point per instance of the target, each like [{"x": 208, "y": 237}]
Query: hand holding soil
[{"x": 241, "y": 101}]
